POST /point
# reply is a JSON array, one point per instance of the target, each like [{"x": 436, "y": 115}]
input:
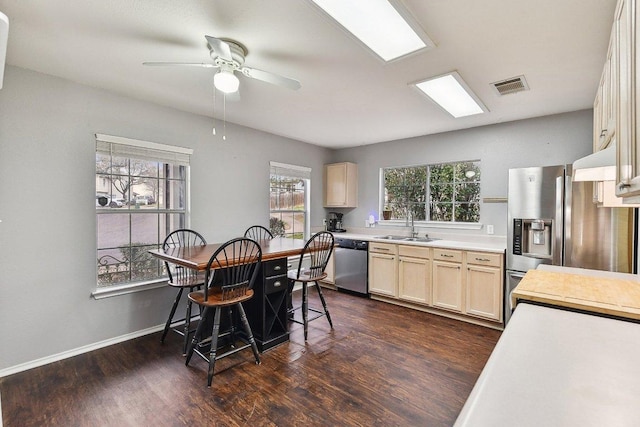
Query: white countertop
[
  {"x": 467, "y": 243},
  {"x": 559, "y": 368}
]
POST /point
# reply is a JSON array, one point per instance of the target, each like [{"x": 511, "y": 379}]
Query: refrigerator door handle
[{"x": 558, "y": 222}]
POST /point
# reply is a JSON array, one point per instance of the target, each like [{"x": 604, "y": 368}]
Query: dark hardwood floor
[{"x": 382, "y": 365}]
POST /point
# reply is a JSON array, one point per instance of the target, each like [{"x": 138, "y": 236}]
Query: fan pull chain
[
  {"x": 224, "y": 117},
  {"x": 214, "y": 111}
]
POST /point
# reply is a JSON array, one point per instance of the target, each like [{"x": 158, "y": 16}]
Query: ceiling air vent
[{"x": 512, "y": 85}]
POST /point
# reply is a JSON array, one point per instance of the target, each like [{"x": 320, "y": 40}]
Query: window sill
[
  {"x": 434, "y": 224},
  {"x": 117, "y": 290}
]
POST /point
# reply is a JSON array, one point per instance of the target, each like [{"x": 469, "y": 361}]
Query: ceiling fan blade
[
  {"x": 220, "y": 47},
  {"x": 181, "y": 64},
  {"x": 271, "y": 78}
]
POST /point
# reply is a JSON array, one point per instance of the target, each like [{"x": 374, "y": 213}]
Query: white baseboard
[{"x": 76, "y": 351}]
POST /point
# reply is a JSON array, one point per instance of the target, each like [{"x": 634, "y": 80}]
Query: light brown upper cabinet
[
  {"x": 626, "y": 29},
  {"x": 341, "y": 185}
]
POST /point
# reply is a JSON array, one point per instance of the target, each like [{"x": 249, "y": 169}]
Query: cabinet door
[
  {"x": 625, "y": 138},
  {"x": 383, "y": 274},
  {"x": 414, "y": 279},
  {"x": 447, "y": 285},
  {"x": 484, "y": 292},
  {"x": 341, "y": 185}
]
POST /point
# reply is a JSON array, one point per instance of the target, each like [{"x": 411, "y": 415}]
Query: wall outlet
[
  {"x": 489, "y": 229},
  {"x": 324, "y": 222}
]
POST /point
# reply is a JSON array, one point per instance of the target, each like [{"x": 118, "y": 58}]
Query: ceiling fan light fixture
[{"x": 225, "y": 81}]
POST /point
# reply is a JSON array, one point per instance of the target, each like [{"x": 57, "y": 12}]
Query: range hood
[{"x": 600, "y": 166}]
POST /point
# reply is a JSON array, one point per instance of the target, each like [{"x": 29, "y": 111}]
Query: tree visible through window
[
  {"x": 141, "y": 196},
  {"x": 441, "y": 192},
  {"x": 288, "y": 200}
]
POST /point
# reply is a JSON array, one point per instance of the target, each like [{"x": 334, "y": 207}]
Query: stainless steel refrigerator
[{"x": 553, "y": 220}]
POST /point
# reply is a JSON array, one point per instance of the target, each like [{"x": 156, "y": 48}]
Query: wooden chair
[
  {"x": 229, "y": 278},
  {"x": 258, "y": 233},
  {"x": 182, "y": 278},
  {"x": 319, "y": 248}
]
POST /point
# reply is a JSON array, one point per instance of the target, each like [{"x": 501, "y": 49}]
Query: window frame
[
  {"x": 163, "y": 154},
  {"x": 293, "y": 171},
  {"x": 428, "y": 222}
]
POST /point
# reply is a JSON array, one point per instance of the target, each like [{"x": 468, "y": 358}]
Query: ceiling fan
[{"x": 228, "y": 56}]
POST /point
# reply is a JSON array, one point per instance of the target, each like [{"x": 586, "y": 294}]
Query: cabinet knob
[
  {"x": 483, "y": 259},
  {"x": 277, "y": 284},
  {"x": 446, "y": 256}
]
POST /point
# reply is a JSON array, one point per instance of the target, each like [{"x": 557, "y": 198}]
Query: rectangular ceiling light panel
[
  {"x": 379, "y": 25},
  {"x": 450, "y": 92}
]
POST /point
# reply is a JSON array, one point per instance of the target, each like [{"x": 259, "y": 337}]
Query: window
[
  {"x": 446, "y": 192},
  {"x": 142, "y": 194},
  {"x": 289, "y": 200}
]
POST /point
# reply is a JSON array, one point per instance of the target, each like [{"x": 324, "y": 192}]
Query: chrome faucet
[{"x": 414, "y": 233}]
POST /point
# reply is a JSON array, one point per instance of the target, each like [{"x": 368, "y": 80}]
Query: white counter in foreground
[{"x": 559, "y": 368}]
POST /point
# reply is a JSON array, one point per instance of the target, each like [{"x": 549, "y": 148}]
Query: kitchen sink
[
  {"x": 390, "y": 237},
  {"x": 406, "y": 239},
  {"x": 419, "y": 239}
]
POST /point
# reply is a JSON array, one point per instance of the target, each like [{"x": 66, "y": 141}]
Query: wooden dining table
[
  {"x": 267, "y": 310},
  {"x": 197, "y": 257}
]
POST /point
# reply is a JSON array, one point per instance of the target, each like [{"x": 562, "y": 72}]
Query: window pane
[
  {"x": 441, "y": 192},
  {"x": 172, "y": 195},
  {"x": 143, "y": 265},
  {"x": 418, "y": 211},
  {"x": 113, "y": 266},
  {"x": 170, "y": 222},
  {"x": 144, "y": 229},
  {"x": 276, "y": 225},
  {"x": 468, "y": 192},
  {"x": 297, "y": 229},
  {"x": 112, "y": 230},
  {"x": 467, "y": 172},
  {"x": 441, "y": 212},
  {"x": 467, "y": 212},
  {"x": 442, "y": 173}
]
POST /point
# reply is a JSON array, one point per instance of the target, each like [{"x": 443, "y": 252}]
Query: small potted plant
[{"x": 386, "y": 213}]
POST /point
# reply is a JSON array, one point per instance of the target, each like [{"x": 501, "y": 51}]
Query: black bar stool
[
  {"x": 319, "y": 248},
  {"x": 230, "y": 275},
  {"x": 182, "y": 278}
]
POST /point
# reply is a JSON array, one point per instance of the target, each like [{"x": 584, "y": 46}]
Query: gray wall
[
  {"x": 47, "y": 208},
  {"x": 543, "y": 141}
]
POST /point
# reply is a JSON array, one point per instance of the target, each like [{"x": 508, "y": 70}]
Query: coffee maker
[{"x": 334, "y": 223}]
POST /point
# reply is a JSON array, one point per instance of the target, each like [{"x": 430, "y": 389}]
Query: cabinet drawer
[
  {"x": 414, "y": 251},
  {"x": 383, "y": 248},
  {"x": 484, "y": 258},
  {"x": 275, "y": 284},
  {"x": 275, "y": 267},
  {"x": 447, "y": 255}
]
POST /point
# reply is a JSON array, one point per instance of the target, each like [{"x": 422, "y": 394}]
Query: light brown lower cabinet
[
  {"x": 414, "y": 279},
  {"x": 447, "y": 285},
  {"x": 383, "y": 269},
  {"x": 467, "y": 284}
]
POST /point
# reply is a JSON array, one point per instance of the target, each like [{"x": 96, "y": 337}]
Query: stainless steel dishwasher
[{"x": 351, "y": 265}]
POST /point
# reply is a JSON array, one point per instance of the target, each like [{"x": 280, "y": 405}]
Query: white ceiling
[{"x": 349, "y": 96}]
